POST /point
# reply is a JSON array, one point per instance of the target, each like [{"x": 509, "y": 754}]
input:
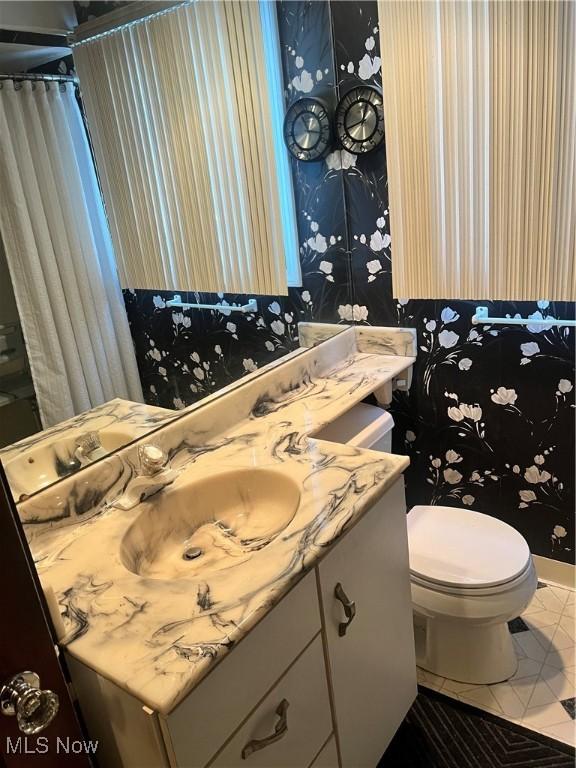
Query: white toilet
[{"x": 470, "y": 573}]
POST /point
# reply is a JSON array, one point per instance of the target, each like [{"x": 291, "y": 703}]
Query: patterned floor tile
[
  {"x": 517, "y": 625},
  {"x": 510, "y": 703},
  {"x": 568, "y": 625},
  {"x": 532, "y": 647},
  {"x": 453, "y": 686},
  {"x": 561, "y": 594},
  {"x": 545, "y": 716},
  {"x": 482, "y": 697},
  {"x": 562, "y": 639},
  {"x": 527, "y": 668},
  {"x": 565, "y": 732},
  {"x": 429, "y": 679},
  {"x": 545, "y": 636},
  {"x": 561, "y": 657},
  {"x": 557, "y": 681},
  {"x": 524, "y": 688},
  {"x": 540, "y": 618},
  {"x": 540, "y": 696},
  {"x": 549, "y": 600},
  {"x": 570, "y": 673}
]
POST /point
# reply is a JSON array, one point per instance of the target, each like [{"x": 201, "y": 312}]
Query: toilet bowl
[{"x": 470, "y": 573}]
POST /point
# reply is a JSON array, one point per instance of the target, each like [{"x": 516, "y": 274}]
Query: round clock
[
  {"x": 360, "y": 119},
  {"x": 307, "y": 132}
]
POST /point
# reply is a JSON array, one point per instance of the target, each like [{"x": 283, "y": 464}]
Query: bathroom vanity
[
  {"x": 329, "y": 669},
  {"x": 254, "y": 607}
]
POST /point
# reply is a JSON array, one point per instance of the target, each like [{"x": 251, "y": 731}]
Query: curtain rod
[
  {"x": 38, "y": 77},
  {"x": 119, "y": 24}
]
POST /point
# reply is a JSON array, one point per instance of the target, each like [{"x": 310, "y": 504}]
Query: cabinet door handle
[
  {"x": 280, "y": 730},
  {"x": 349, "y": 609}
]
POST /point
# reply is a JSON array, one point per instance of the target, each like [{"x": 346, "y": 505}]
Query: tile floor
[{"x": 541, "y": 694}]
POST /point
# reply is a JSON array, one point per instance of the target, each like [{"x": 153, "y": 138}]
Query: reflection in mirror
[{"x": 94, "y": 352}]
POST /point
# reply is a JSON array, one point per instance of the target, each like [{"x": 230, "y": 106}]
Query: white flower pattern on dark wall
[
  {"x": 489, "y": 420},
  {"x": 488, "y": 395}
]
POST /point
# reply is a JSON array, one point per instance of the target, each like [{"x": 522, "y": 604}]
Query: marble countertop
[
  {"x": 136, "y": 418},
  {"x": 157, "y": 639}
]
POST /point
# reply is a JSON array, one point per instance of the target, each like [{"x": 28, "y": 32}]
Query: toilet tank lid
[{"x": 456, "y": 546}]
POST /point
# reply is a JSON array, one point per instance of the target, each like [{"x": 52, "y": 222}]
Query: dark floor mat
[{"x": 439, "y": 732}]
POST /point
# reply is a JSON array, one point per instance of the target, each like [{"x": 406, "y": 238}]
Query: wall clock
[
  {"x": 360, "y": 119},
  {"x": 307, "y": 131}
]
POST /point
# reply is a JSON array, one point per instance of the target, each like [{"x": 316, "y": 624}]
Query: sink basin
[
  {"x": 204, "y": 526},
  {"x": 51, "y": 460}
]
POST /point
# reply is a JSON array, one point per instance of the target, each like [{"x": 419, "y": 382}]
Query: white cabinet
[
  {"x": 370, "y": 656},
  {"x": 329, "y": 688}
]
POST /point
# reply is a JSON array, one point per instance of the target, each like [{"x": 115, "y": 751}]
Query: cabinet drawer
[
  {"x": 200, "y": 725},
  {"x": 307, "y": 719}
]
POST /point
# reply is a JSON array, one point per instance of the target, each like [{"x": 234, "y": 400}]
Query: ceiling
[
  {"x": 16, "y": 57},
  {"x": 33, "y": 33}
]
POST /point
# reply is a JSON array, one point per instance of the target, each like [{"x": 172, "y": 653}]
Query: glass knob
[{"x": 34, "y": 708}]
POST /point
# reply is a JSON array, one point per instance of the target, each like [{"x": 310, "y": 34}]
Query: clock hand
[{"x": 360, "y": 122}]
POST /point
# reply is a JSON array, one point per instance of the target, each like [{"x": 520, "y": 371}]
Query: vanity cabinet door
[
  {"x": 288, "y": 728},
  {"x": 370, "y": 643}
]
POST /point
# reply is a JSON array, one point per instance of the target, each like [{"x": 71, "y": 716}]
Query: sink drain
[{"x": 192, "y": 553}]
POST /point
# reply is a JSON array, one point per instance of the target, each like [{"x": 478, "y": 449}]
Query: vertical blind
[
  {"x": 184, "y": 111},
  {"x": 480, "y": 109}
]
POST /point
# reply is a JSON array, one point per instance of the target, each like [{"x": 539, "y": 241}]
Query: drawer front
[
  {"x": 200, "y": 725},
  {"x": 303, "y": 729},
  {"x": 328, "y": 758}
]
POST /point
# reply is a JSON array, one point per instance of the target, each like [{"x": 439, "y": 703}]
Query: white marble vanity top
[
  {"x": 135, "y": 419},
  {"x": 157, "y": 638}
]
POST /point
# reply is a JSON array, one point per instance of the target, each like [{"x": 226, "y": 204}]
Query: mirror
[{"x": 88, "y": 366}]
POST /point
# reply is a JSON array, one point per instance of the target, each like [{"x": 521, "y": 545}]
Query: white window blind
[
  {"x": 185, "y": 113},
  {"x": 480, "y": 110}
]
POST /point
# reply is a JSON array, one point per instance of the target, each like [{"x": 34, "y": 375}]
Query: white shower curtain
[{"x": 60, "y": 254}]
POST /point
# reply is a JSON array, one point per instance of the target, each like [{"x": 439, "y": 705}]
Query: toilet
[{"x": 470, "y": 573}]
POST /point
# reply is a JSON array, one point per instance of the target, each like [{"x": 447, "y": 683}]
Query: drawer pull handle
[
  {"x": 349, "y": 609},
  {"x": 280, "y": 730}
]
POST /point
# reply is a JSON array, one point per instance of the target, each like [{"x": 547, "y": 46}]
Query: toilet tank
[{"x": 365, "y": 426}]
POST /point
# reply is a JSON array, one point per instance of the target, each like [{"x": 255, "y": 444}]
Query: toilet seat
[
  {"x": 476, "y": 591},
  {"x": 458, "y": 551}
]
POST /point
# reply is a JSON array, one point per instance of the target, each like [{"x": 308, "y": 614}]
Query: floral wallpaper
[{"x": 489, "y": 420}]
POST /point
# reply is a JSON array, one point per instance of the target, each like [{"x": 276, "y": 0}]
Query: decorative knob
[
  {"x": 152, "y": 459},
  {"x": 34, "y": 709}
]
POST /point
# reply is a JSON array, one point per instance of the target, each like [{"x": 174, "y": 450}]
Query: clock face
[
  {"x": 307, "y": 131},
  {"x": 360, "y": 119}
]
